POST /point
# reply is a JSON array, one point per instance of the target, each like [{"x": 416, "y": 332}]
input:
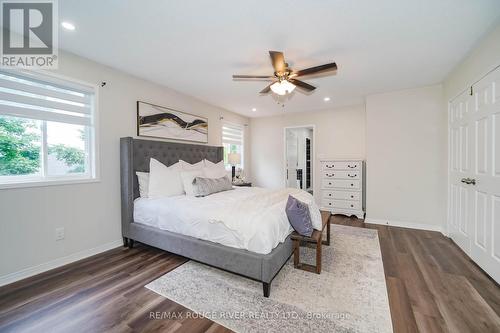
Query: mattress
[{"x": 249, "y": 218}]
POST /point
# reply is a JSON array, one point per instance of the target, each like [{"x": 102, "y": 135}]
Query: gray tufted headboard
[{"x": 135, "y": 155}]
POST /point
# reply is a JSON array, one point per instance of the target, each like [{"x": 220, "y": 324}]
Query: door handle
[{"x": 468, "y": 181}]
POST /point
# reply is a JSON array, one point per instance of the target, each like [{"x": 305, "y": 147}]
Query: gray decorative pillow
[
  {"x": 299, "y": 217},
  {"x": 206, "y": 186}
]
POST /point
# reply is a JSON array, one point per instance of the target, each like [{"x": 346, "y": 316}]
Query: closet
[{"x": 474, "y": 172}]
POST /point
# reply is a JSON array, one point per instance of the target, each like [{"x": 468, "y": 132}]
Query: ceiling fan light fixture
[{"x": 282, "y": 87}]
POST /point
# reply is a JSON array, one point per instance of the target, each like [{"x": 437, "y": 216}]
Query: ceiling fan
[{"x": 284, "y": 78}]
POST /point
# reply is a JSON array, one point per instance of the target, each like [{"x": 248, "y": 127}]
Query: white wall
[
  {"x": 406, "y": 158},
  {"x": 339, "y": 133},
  {"x": 90, "y": 213},
  {"x": 483, "y": 58}
]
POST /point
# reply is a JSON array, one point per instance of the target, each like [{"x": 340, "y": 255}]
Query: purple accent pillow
[{"x": 299, "y": 217}]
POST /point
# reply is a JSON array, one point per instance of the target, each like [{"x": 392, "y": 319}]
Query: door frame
[{"x": 313, "y": 154}]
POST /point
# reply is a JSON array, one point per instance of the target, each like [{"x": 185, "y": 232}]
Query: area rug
[{"x": 349, "y": 295}]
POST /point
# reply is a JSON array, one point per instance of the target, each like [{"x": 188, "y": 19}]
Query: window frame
[
  {"x": 91, "y": 145},
  {"x": 242, "y": 126}
]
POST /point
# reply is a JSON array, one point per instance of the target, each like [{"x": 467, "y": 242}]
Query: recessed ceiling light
[
  {"x": 254, "y": 109},
  {"x": 68, "y": 25},
  {"x": 326, "y": 99}
]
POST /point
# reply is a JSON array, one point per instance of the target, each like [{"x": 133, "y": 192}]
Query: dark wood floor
[{"x": 432, "y": 287}]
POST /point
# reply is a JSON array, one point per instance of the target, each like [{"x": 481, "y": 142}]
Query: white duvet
[{"x": 250, "y": 218}]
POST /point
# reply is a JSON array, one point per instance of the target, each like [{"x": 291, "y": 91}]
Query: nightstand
[{"x": 243, "y": 184}]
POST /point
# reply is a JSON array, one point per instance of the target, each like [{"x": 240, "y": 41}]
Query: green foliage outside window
[
  {"x": 19, "y": 146},
  {"x": 72, "y": 156},
  {"x": 20, "y": 149}
]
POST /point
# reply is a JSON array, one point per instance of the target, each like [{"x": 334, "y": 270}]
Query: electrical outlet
[{"x": 59, "y": 234}]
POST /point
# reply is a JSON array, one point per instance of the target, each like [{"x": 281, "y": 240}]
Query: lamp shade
[{"x": 234, "y": 158}]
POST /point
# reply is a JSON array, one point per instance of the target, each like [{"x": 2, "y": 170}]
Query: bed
[{"x": 135, "y": 155}]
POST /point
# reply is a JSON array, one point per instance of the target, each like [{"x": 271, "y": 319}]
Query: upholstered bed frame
[{"x": 134, "y": 156}]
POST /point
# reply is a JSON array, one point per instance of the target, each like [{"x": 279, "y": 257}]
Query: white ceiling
[{"x": 195, "y": 46}]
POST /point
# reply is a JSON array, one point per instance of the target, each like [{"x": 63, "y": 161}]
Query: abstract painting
[{"x": 161, "y": 122}]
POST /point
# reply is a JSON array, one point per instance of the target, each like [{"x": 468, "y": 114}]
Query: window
[
  {"x": 47, "y": 130},
  {"x": 232, "y": 140}
]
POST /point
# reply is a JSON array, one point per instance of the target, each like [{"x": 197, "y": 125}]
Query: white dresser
[{"x": 342, "y": 187}]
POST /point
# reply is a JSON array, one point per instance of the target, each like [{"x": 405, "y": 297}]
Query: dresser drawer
[
  {"x": 341, "y": 174},
  {"x": 345, "y": 204},
  {"x": 341, "y": 165},
  {"x": 342, "y": 183},
  {"x": 342, "y": 195}
]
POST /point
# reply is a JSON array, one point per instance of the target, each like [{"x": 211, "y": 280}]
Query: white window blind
[
  {"x": 232, "y": 134},
  {"x": 48, "y": 130},
  {"x": 25, "y": 95}
]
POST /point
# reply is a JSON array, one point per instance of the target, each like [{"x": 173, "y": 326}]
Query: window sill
[{"x": 42, "y": 183}]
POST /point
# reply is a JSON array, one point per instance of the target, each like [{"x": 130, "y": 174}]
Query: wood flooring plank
[
  {"x": 420, "y": 296},
  {"x": 403, "y": 319},
  {"x": 430, "y": 324}
]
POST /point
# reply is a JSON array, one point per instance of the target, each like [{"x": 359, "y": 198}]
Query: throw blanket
[{"x": 245, "y": 218}]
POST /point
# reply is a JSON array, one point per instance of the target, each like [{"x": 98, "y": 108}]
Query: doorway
[{"x": 299, "y": 152}]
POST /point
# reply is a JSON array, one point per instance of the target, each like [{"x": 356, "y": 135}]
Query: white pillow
[
  {"x": 164, "y": 181},
  {"x": 214, "y": 170},
  {"x": 143, "y": 179},
  {"x": 210, "y": 164},
  {"x": 187, "y": 180},
  {"x": 314, "y": 212},
  {"x": 188, "y": 166},
  {"x": 215, "y": 173}
]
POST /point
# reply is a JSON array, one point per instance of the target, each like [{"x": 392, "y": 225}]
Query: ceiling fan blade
[
  {"x": 253, "y": 77},
  {"x": 317, "y": 69},
  {"x": 302, "y": 84},
  {"x": 266, "y": 89},
  {"x": 278, "y": 61}
]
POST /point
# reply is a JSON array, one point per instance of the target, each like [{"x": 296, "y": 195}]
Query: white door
[
  {"x": 460, "y": 161},
  {"x": 474, "y": 192}
]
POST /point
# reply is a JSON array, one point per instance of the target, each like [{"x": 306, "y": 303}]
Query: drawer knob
[
  {"x": 352, "y": 176},
  {"x": 329, "y": 183},
  {"x": 352, "y": 196},
  {"x": 329, "y": 194},
  {"x": 330, "y": 203},
  {"x": 352, "y": 205},
  {"x": 352, "y": 184}
]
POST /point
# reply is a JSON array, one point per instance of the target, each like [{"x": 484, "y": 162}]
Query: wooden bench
[{"x": 316, "y": 238}]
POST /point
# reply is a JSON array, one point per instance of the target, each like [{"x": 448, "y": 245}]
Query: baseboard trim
[
  {"x": 30, "y": 271},
  {"x": 403, "y": 224}
]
